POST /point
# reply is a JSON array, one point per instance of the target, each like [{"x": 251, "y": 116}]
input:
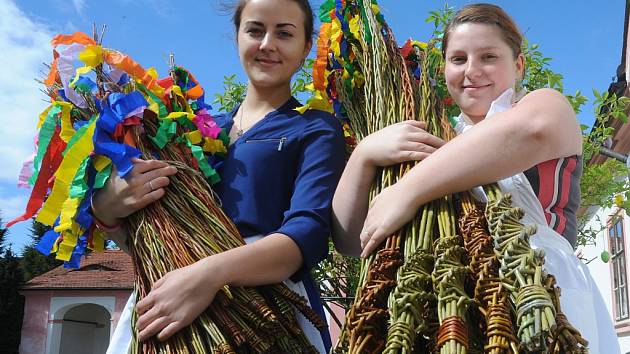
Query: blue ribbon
[
  {"x": 77, "y": 252},
  {"x": 113, "y": 113}
]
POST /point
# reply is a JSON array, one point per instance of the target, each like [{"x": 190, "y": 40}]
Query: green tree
[
  {"x": 33, "y": 262},
  {"x": 11, "y": 302}
]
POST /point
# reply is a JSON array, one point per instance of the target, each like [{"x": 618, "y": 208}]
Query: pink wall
[
  {"x": 34, "y": 325},
  {"x": 334, "y": 328},
  {"x": 36, "y": 314}
]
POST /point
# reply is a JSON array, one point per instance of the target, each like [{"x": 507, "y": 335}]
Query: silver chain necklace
[{"x": 240, "y": 131}]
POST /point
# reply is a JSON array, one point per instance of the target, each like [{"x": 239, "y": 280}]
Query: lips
[
  {"x": 267, "y": 61},
  {"x": 475, "y": 87}
]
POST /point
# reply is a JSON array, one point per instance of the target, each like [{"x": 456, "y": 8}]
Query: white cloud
[
  {"x": 79, "y": 5},
  {"x": 25, "y": 46},
  {"x": 13, "y": 206}
]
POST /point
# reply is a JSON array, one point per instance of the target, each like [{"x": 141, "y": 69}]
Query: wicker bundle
[
  {"x": 113, "y": 110},
  {"x": 415, "y": 287}
]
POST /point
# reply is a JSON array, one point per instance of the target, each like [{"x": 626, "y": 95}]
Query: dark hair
[
  {"x": 304, "y": 5},
  {"x": 491, "y": 15}
]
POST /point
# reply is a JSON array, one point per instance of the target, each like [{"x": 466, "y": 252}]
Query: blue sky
[{"x": 584, "y": 38}]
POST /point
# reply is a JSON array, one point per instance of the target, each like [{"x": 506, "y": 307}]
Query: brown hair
[
  {"x": 304, "y": 5},
  {"x": 491, "y": 15}
]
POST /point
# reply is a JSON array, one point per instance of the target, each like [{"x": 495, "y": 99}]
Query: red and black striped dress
[{"x": 556, "y": 183}]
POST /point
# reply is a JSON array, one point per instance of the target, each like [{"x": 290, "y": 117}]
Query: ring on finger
[{"x": 151, "y": 186}]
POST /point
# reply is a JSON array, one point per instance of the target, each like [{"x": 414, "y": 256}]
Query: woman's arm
[
  {"x": 541, "y": 127},
  {"x": 399, "y": 142},
  {"x": 181, "y": 295}
]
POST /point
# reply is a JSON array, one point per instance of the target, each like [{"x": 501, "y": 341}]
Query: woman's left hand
[
  {"x": 389, "y": 211},
  {"x": 175, "y": 301}
]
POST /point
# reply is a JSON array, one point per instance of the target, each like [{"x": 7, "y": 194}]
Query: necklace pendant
[{"x": 239, "y": 133}]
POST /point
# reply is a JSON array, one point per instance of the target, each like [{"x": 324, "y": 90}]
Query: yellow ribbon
[
  {"x": 213, "y": 146},
  {"x": 177, "y": 115},
  {"x": 64, "y": 176},
  {"x": 100, "y": 162},
  {"x": 67, "y": 130},
  {"x": 43, "y": 115},
  {"x": 92, "y": 55},
  {"x": 66, "y": 246},
  {"x": 194, "y": 137}
]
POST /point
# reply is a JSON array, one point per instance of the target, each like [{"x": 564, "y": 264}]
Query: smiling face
[
  {"x": 479, "y": 67},
  {"x": 272, "y": 41}
]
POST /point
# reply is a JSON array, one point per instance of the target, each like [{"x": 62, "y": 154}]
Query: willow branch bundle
[
  {"x": 566, "y": 339},
  {"x": 489, "y": 291},
  {"x": 521, "y": 266},
  {"x": 388, "y": 99},
  {"x": 187, "y": 225},
  {"x": 413, "y": 304},
  {"x": 449, "y": 276}
]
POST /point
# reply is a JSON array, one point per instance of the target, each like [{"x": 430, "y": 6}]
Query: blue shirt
[{"x": 280, "y": 177}]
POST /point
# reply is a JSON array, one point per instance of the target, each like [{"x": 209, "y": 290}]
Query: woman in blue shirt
[{"x": 278, "y": 179}]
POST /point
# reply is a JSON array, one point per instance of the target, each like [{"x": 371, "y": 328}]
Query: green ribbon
[
  {"x": 45, "y": 136},
  {"x": 210, "y": 173},
  {"x": 102, "y": 176},
  {"x": 324, "y": 11},
  {"x": 163, "y": 112},
  {"x": 78, "y": 135},
  {"x": 165, "y": 133},
  {"x": 224, "y": 137},
  {"x": 79, "y": 186}
]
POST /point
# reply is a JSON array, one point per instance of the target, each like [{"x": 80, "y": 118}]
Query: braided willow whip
[
  {"x": 389, "y": 98},
  {"x": 521, "y": 266},
  {"x": 489, "y": 291},
  {"x": 566, "y": 339},
  {"x": 413, "y": 304},
  {"x": 449, "y": 276}
]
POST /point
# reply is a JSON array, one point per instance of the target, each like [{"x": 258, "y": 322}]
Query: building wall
[
  {"x": 42, "y": 329},
  {"x": 601, "y": 271},
  {"x": 85, "y": 326},
  {"x": 35, "y": 323}
]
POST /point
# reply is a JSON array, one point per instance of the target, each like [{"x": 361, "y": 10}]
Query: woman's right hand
[
  {"x": 121, "y": 197},
  {"x": 400, "y": 142}
]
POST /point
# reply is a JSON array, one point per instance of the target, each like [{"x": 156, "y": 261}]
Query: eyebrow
[
  {"x": 279, "y": 25},
  {"x": 482, "y": 49},
  {"x": 488, "y": 47}
]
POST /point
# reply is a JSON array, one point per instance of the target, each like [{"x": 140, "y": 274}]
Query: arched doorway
[{"x": 85, "y": 329}]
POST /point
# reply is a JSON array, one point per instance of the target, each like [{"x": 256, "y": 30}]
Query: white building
[{"x": 612, "y": 276}]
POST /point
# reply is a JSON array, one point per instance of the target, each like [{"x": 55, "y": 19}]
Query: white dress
[
  {"x": 120, "y": 342},
  {"x": 581, "y": 300}
]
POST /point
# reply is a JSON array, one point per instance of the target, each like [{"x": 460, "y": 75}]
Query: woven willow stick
[
  {"x": 388, "y": 98},
  {"x": 448, "y": 281},
  {"x": 522, "y": 266},
  {"x": 413, "y": 304},
  {"x": 490, "y": 294}
]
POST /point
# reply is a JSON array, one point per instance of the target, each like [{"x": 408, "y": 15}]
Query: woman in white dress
[{"x": 505, "y": 135}]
